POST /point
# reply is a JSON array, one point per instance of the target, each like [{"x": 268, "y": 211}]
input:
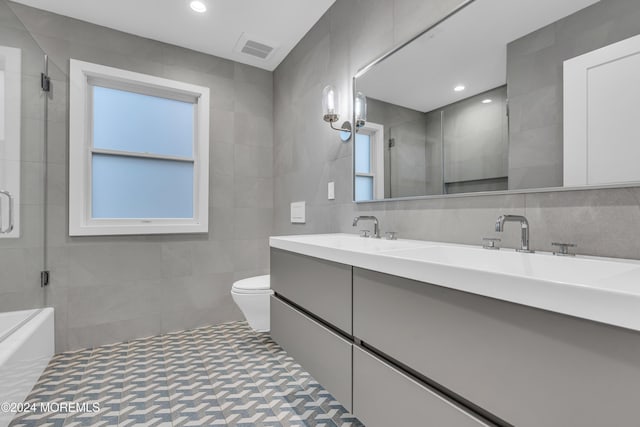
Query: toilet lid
[{"x": 253, "y": 284}]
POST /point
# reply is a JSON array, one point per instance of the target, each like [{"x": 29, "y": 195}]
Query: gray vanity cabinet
[
  {"x": 321, "y": 352},
  {"x": 528, "y": 367},
  {"x": 383, "y": 396},
  {"x": 321, "y": 287}
]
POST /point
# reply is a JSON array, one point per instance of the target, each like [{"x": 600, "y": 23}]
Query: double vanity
[{"x": 406, "y": 332}]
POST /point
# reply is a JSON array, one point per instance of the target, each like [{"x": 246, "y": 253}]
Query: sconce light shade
[
  {"x": 330, "y": 103},
  {"x": 360, "y": 109}
]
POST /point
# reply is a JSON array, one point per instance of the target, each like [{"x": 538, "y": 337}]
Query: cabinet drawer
[
  {"x": 526, "y": 366},
  {"x": 324, "y": 354},
  {"x": 384, "y": 396},
  {"x": 320, "y": 287}
]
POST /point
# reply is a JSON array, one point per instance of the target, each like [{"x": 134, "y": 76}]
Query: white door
[{"x": 602, "y": 116}]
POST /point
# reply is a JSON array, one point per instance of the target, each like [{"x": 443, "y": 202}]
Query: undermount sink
[
  {"x": 352, "y": 242},
  {"x": 579, "y": 271}
]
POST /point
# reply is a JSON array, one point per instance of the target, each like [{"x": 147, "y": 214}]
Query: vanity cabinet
[
  {"x": 323, "y": 353},
  {"x": 526, "y": 366},
  {"x": 321, "y": 287},
  {"x": 397, "y": 351},
  {"x": 384, "y": 396}
]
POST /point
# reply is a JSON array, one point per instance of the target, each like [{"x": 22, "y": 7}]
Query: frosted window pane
[
  {"x": 364, "y": 188},
  {"x": 363, "y": 153},
  {"x": 128, "y": 121},
  {"x": 129, "y": 187}
]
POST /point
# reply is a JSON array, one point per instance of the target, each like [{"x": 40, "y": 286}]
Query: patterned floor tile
[{"x": 225, "y": 375}]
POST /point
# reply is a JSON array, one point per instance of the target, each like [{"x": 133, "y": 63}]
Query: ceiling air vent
[{"x": 251, "y": 46}]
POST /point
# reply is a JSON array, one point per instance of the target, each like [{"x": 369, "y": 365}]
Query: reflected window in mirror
[{"x": 369, "y": 163}]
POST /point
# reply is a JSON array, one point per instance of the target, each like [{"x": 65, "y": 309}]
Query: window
[
  {"x": 139, "y": 151},
  {"x": 369, "y": 163}
]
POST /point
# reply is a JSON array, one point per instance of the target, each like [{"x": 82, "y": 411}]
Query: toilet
[{"x": 252, "y": 297}]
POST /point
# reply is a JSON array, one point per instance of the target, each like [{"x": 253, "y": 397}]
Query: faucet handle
[
  {"x": 490, "y": 242},
  {"x": 391, "y": 235},
  {"x": 365, "y": 233},
  {"x": 563, "y": 248}
]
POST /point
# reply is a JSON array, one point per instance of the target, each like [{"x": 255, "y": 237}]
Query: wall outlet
[
  {"x": 298, "y": 212},
  {"x": 331, "y": 191}
]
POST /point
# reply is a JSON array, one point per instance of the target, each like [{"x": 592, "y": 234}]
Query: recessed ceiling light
[
  {"x": 487, "y": 101},
  {"x": 459, "y": 88},
  {"x": 198, "y": 6}
]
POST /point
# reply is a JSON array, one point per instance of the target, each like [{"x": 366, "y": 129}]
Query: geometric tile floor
[{"x": 224, "y": 375}]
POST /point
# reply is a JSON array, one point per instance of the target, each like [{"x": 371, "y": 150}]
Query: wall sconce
[{"x": 330, "y": 102}]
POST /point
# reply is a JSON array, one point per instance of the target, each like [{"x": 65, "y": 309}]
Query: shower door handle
[{"x": 9, "y": 197}]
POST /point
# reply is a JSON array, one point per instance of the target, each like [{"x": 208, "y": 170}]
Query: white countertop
[{"x": 605, "y": 290}]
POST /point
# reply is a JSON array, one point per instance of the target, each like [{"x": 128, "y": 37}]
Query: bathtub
[{"x": 26, "y": 346}]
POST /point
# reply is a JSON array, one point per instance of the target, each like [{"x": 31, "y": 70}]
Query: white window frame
[
  {"x": 83, "y": 75},
  {"x": 376, "y": 135}
]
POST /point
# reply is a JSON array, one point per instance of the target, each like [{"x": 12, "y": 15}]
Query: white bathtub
[{"x": 26, "y": 346}]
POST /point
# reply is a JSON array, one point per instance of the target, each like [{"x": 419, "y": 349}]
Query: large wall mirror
[{"x": 505, "y": 95}]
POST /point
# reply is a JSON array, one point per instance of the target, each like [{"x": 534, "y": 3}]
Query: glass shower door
[{"x": 22, "y": 166}]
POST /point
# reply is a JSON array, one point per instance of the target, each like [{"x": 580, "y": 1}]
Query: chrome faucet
[
  {"x": 524, "y": 228},
  {"x": 376, "y": 228}
]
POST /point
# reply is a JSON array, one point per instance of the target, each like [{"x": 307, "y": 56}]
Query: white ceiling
[
  {"x": 279, "y": 22},
  {"x": 468, "y": 49}
]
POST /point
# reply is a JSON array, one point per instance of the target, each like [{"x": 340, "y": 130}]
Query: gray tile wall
[
  {"x": 307, "y": 154},
  {"x": 534, "y": 81},
  {"x": 108, "y": 289}
]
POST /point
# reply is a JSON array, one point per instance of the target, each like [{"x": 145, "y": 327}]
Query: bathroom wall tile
[
  {"x": 250, "y": 255},
  {"x": 598, "y": 221},
  {"x": 221, "y": 223},
  {"x": 221, "y": 189},
  {"x": 253, "y": 192},
  {"x": 32, "y": 136},
  {"x": 108, "y": 333},
  {"x": 211, "y": 258},
  {"x": 252, "y": 223},
  {"x": 368, "y": 45},
  {"x": 222, "y": 125},
  {"x": 248, "y": 74},
  {"x": 193, "y": 293},
  {"x": 225, "y": 311},
  {"x": 253, "y": 161},
  {"x": 99, "y": 264},
  {"x": 252, "y": 130},
  {"x": 58, "y": 143},
  {"x": 13, "y": 269},
  {"x": 221, "y": 158},
  {"x": 177, "y": 259},
  {"x": 56, "y": 184},
  {"x": 8, "y": 19},
  {"x": 56, "y": 296},
  {"x": 111, "y": 302},
  {"x": 239, "y": 275},
  {"x": 257, "y": 100},
  {"x": 21, "y": 300}
]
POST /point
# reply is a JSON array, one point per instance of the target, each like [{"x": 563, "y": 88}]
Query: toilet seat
[{"x": 253, "y": 285}]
